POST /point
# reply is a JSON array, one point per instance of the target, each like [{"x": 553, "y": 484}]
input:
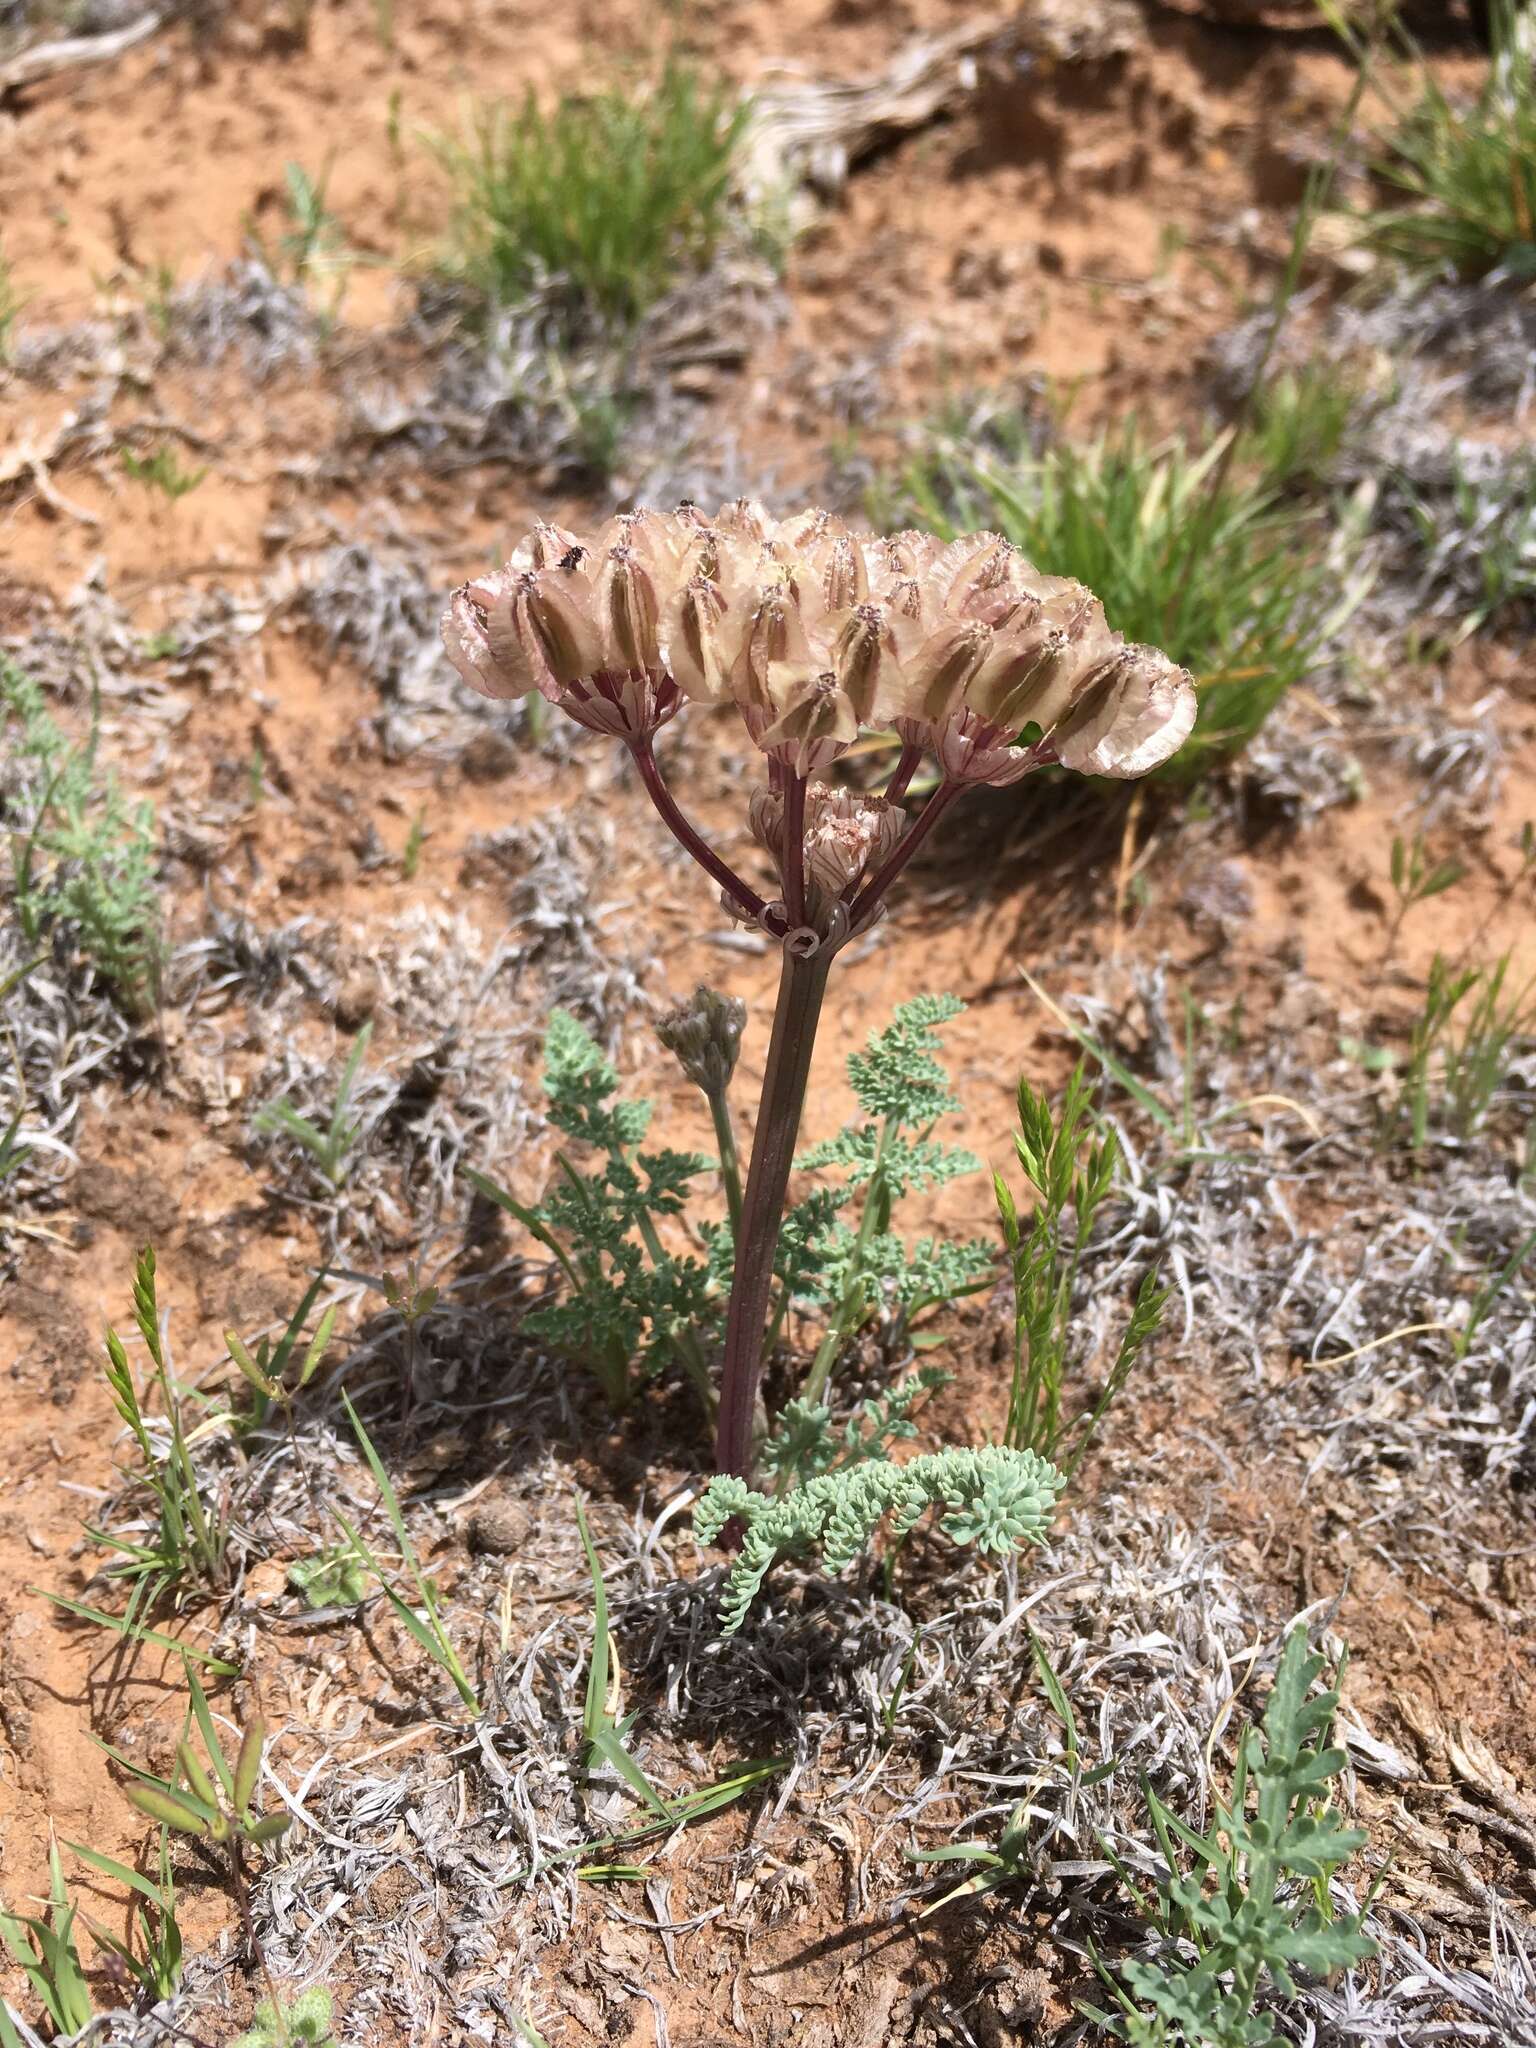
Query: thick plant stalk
[{"x": 802, "y": 986}]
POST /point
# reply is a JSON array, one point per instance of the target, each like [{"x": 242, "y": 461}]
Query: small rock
[
  {"x": 356, "y": 999},
  {"x": 497, "y": 1528},
  {"x": 489, "y": 757},
  {"x": 696, "y": 380}
]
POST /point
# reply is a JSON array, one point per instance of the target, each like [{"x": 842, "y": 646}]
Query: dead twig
[{"x": 45, "y": 60}]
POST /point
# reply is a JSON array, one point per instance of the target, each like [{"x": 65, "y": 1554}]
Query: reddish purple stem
[
  {"x": 868, "y": 899},
  {"x": 906, "y": 768},
  {"x": 794, "y": 849},
  {"x": 686, "y": 836},
  {"x": 802, "y": 984}
]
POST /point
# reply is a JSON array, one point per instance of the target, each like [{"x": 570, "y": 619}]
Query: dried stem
[
  {"x": 747, "y": 898},
  {"x": 253, "y": 1947},
  {"x": 802, "y": 985}
]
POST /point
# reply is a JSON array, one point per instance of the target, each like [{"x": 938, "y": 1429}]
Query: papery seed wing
[{"x": 1130, "y": 719}]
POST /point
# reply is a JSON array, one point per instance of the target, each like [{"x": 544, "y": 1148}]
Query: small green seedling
[
  {"x": 603, "y": 1727},
  {"x": 1008, "y": 1858},
  {"x": 997, "y": 1864},
  {"x": 330, "y": 1145},
  {"x": 45, "y": 1952},
  {"x": 284, "y": 2023},
  {"x": 681, "y": 1810},
  {"x": 155, "y": 1964},
  {"x": 1415, "y": 879},
  {"x": 1247, "y": 1904},
  {"x": 1465, "y": 1041},
  {"x": 162, "y": 471},
  {"x": 82, "y": 859},
  {"x": 266, "y": 1365},
  {"x": 415, "y": 840},
  {"x": 1492, "y": 1287},
  {"x": 190, "y": 1537},
  {"x": 413, "y": 1301},
  {"x": 335, "y": 1576},
  {"x": 423, "y": 1623},
  {"x": 313, "y": 247}
]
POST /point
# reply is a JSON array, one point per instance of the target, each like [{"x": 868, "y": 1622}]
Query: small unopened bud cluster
[
  {"x": 704, "y": 1036},
  {"x": 848, "y": 838}
]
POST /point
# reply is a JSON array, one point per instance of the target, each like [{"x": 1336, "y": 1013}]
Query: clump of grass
[
  {"x": 602, "y": 200},
  {"x": 1299, "y": 422},
  {"x": 1467, "y": 1039},
  {"x": 44, "y": 1950},
  {"x": 329, "y": 1144},
  {"x": 1070, "y": 1167},
  {"x": 1468, "y": 171},
  {"x": 81, "y": 858},
  {"x": 1203, "y": 557},
  {"x": 1479, "y": 543},
  {"x": 312, "y": 249},
  {"x": 183, "y": 1540},
  {"x": 212, "y": 1800}
]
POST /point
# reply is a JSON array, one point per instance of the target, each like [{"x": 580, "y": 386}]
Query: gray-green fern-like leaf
[
  {"x": 994, "y": 1498},
  {"x": 1245, "y": 1918}
]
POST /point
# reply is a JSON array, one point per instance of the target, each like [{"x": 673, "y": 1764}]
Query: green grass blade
[
  {"x": 120, "y": 1873},
  {"x": 210, "y": 1734},
  {"x": 1137, "y": 1090},
  {"x": 1056, "y": 1693},
  {"x": 137, "y": 1632},
  {"x": 530, "y": 1222}
]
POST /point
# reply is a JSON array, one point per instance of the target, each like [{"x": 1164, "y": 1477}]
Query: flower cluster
[
  {"x": 704, "y": 1037},
  {"x": 816, "y": 633}
]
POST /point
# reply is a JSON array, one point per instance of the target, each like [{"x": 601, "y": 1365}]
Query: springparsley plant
[
  {"x": 994, "y": 1498},
  {"x": 814, "y": 634}
]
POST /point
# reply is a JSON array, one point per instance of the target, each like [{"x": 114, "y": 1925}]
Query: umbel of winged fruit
[{"x": 816, "y": 634}]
